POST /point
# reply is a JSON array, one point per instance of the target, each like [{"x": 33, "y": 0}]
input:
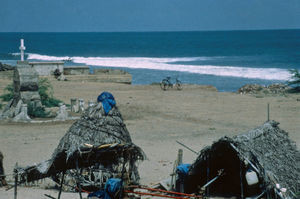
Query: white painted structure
[
  {"x": 22, "y": 49},
  {"x": 47, "y": 68}
]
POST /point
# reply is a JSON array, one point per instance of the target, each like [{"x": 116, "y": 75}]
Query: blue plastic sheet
[
  {"x": 112, "y": 186},
  {"x": 107, "y": 100},
  {"x": 183, "y": 169}
]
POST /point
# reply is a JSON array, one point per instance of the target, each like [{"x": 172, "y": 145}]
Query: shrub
[
  {"x": 45, "y": 91},
  {"x": 10, "y": 93},
  {"x": 37, "y": 112}
]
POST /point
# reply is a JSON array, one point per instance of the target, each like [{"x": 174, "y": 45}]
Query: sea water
[{"x": 224, "y": 59}]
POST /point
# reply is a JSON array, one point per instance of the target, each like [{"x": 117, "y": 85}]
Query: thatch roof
[
  {"x": 266, "y": 149},
  {"x": 81, "y": 142}
]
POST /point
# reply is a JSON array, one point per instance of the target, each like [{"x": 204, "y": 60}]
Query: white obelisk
[{"x": 22, "y": 48}]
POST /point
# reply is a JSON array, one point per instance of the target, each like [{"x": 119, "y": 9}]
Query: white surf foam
[{"x": 170, "y": 65}]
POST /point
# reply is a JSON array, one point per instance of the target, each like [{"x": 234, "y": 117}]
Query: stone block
[
  {"x": 23, "y": 115},
  {"x": 80, "y": 105},
  {"x": 18, "y": 108},
  {"x": 62, "y": 113}
]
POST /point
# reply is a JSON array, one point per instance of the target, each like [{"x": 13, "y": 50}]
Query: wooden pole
[
  {"x": 187, "y": 147},
  {"x": 61, "y": 185},
  {"x": 179, "y": 162},
  {"x": 268, "y": 112},
  {"x": 207, "y": 174},
  {"x": 77, "y": 180},
  {"x": 122, "y": 176},
  {"x": 180, "y": 155},
  {"x": 241, "y": 179},
  {"x": 16, "y": 181}
]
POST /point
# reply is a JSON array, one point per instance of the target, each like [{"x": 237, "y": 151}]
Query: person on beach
[{"x": 2, "y": 176}]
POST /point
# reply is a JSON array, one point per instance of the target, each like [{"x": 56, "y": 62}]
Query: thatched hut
[
  {"x": 266, "y": 151},
  {"x": 99, "y": 138}
]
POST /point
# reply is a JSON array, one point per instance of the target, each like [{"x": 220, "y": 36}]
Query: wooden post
[
  {"x": 179, "y": 162},
  {"x": 73, "y": 105},
  {"x": 268, "y": 112},
  {"x": 207, "y": 174},
  {"x": 61, "y": 185},
  {"x": 179, "y": 158},
  {"x": 16, "y": 180},
  {"x": 77, "y": 180},
  {"x": 241, "y": 179},
  {"x": 122, "y": 176}
]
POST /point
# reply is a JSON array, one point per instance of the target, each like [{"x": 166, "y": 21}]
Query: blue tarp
[
  {"x": 107, "y": 100},
  {"x": 183, "y": 169},
  {"x": 112, "y": 186}
]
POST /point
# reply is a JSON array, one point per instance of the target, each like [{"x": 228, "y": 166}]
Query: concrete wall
[
  {"x": 124, "y": 79},
  {"x": 47, "y": 68},
  {"x": 109, "y": 72},
  {"x": 77, "y": 70}
]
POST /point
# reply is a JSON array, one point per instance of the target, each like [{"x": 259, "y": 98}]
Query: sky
[{"x": 147, "y": 15}]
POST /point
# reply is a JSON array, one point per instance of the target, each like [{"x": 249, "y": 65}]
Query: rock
[
  {"x": 18, "y": 107},
  {"x": 62, "y": 113},
  {"x": 5, "y": 67},
  {"x": 259, "y": 89},
  {"x": 80, "y": 105},
  {"x": 22, "y": 116},
  {"x": 73, "y": 105}
]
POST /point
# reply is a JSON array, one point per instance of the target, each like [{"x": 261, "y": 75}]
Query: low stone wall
[
  {"x": 7, "y": 74},
  {"x": 81, "y": 73},
  {"x": 75, "y": 73},
  {"x": 47, "y": 68},
  {"x": 109, "y": 72},
  {"x": 77, "y": 70},
  {"x": 125, "y": 79}
]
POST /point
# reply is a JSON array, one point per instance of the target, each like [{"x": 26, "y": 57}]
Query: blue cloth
[
  {"x": 98, "y": 194},
  {"x": 107, "y": 100},
  {"x": 112, "y": 186},
  {"x": 183, "y": 169}
]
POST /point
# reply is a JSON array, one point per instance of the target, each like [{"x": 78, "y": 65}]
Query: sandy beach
[{"x": 195, "y": 116}]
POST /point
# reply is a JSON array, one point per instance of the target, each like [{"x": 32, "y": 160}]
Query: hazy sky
[{"x": 147, "y": 15}]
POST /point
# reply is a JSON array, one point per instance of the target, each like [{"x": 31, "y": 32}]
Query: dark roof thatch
[
  {"x": 266, "y": 149},
  {"x": 94, "y": 128}
]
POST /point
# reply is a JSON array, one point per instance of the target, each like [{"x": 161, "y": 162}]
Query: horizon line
[{"x": 152, "y": 31}]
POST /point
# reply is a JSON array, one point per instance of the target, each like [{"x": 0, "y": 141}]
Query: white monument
[{"x": 22, "y": 48}]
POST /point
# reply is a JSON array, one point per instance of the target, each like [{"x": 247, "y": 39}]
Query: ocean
[{"x": 224, "y": 59}]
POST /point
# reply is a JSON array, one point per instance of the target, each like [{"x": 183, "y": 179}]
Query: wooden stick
[
  {"x": 122, "y": 176},
  {"x": 268, "y": 112},
  {"x": 49, "y": 196},
  {"x": 16, "y": 181},
  {"x": 187, "y": 147},
  {"x": 164, "y": 191},
  {"x": 61, "y": 185},
  {"x": 78, "y": 183},
  {"x": 241, "y": 179},
  {"x": 254, "y": 167}
]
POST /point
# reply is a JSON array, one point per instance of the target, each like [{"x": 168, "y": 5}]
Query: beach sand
[{"x": 195, "y": 116}]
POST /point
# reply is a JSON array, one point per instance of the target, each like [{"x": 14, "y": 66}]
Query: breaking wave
[{"x": 170, "y": 64}]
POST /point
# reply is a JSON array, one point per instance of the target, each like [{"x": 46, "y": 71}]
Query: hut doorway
[{"x": 232, "y": 183}]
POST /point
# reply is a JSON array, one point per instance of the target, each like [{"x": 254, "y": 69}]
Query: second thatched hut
[{"x": 262, "y": 162}]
